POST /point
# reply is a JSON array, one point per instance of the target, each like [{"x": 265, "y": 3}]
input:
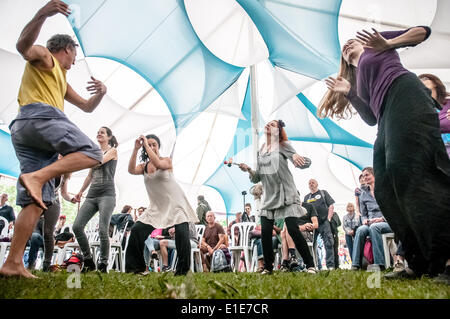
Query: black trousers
[
  {"x": 294, "y": 232},
  {"x": 134, "y": 256},
  {"x": 412, "y": 175}
]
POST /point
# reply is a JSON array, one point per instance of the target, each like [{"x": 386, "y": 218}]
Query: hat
[{"x": 62, "y": 216}]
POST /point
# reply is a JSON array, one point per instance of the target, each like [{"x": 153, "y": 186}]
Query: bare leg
[
  {"x": 290, "y": 242},
  {"x": 34, "y": 181},
  {"x": 284, "y": 244},
  {"x": 25, "y": 223},
  {"x": 164, "y": 253}
]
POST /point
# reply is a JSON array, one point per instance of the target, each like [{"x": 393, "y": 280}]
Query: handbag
[{"x": 368, "y": 252}]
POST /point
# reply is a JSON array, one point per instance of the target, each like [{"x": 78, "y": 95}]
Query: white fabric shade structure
[{"x": 133, "y": 107}]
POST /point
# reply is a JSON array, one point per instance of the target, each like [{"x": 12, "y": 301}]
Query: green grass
[{"x": 339, "y": 284}]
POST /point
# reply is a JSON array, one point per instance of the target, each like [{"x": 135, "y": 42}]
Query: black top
[
  {"x": 311, "y": 212},
  {"x": 245, "y": 218},
  {"x": 7, "y": 212},
  {"x": 121, "y": 219},
  {"x": 321, "y": 200}
]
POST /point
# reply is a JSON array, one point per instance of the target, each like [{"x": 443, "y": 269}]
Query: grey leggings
[
  {"x": 50, "y": 218},
  {"x": 105, "y": 206}
]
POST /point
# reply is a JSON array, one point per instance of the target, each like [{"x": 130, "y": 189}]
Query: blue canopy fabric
[
  {"x": 156, "y": 40},
  {"x": 231, "y": 181},
  {"x": 9, "y": 165},
  {"x": 345, "y": 145},
  {"x": 301, "y": 35}
]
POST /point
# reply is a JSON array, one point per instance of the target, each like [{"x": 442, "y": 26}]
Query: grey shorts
[{"x": 39, "y": 133}]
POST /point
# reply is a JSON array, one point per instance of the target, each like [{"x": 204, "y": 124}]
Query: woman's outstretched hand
[
  {"x": 298, "y": 160},
  {"x": 338, "y": 85},
  {"x": 244, "y": 167},
  {"x": 373, "y": 40}
]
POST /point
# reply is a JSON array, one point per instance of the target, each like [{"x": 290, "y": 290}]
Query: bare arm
[
  {"x": 221, "y": 242},
  {"x": 111, "y": 154},
  {"x": 330, "y": 212},
  {"x": 86, "y": 184},
  {"x": 315, "y": 222},
  {"x": 64, "y": 192},
  {"x": 381, "y": 43},
  {"x": 97, "y": 89},
  {"x": 132, "y": 168},
  {"x": 159, "y": 163},
  {"x": 36, "y": 54}
]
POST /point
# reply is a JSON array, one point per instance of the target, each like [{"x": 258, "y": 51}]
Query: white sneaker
[
  {"x": 399, "y": 266},
  {"x": 311, "y": 270}
]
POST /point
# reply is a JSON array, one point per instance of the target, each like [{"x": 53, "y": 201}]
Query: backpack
[
  {"x": 74, "y": 259},
  {"x": 219, "y": 262}
]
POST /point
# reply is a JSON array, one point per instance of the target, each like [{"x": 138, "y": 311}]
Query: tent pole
[{"x": 255, "y": 113}]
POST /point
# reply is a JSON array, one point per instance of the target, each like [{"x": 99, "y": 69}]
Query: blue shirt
[{"x": 368, "y": 205}]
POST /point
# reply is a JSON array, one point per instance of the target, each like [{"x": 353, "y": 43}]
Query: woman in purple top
[
  {"x": 412, "y": 169},
  {"x": 439, "y": 93}
]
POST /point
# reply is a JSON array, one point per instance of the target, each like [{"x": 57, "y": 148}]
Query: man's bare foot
[
  {"x": 34, "y": 189},
  {"x": 14, "y": 271}
]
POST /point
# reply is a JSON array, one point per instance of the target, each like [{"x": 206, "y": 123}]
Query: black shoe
[
  {"x": 103, "y": 268},
  {"x": 293, "y": 263},
  {"x": 442, "y": 279},
  {"x": 400, "y": 275},
  {"x": 284, "y": 268},
  {"x": 88, "y": 265},
  {"x": 46, "y": 267}
]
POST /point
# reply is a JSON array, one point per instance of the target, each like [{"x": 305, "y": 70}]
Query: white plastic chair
[
  {"x": 243, "y": 244},
  {"x": 116, "y": 254},
  {"x": 5, "y": 229},
  {"x": 195, "y": 252},
  {"x": 387, "y": 237}
]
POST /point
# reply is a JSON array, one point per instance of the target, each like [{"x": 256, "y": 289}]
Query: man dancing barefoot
[{"x": 41, "y": 130}]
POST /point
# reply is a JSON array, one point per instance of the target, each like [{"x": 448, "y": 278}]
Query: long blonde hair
[{"x": 335, "y": 104}]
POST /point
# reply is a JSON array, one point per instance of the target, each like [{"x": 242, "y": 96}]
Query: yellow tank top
[{"x": 45, "y": 86}]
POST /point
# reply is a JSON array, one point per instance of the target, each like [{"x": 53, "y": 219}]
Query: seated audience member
[
  {"x": 7, "y": 212},
  {"x": 373, "y": 224},
  {"x": 213, "y": 239},
  {"x": 60, "y": 225},
  {"x": 138, "y": 213},
  {"x": 65, "y": 237},
  {"x": 36, "y": 241},
  {"x": 276, "y": 240},
  {"x": 152, "y": 245},
  {"x": 350, "y": 225},
  {"x": 166, "y": 244},
  {"x": 119, "y": 220},
  {"x": 307, "y": 224},
  {"x": 236, "y": 230},
  {"x": 247, "y": 215}
]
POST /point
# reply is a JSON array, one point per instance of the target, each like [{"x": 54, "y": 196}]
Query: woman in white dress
[{"x": 168, "y": 206}]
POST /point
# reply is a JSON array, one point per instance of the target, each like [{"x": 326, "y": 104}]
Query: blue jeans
[
  {"x": 349, "y": 240},
  {"x": 374, "y": 231},
  {"x": 259, "y": 247},
  {"x": 150, "y": 245},
  {"x": 328, "y": 241},
  {"x": 36, "y": 242}
]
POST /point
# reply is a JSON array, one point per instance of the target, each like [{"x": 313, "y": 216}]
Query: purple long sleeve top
[
  {"x": 374, "y": 75},
  {"x": 444, "y": 122}
]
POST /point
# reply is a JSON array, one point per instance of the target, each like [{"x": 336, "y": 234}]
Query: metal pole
[{"x": 255, "y": 113}]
